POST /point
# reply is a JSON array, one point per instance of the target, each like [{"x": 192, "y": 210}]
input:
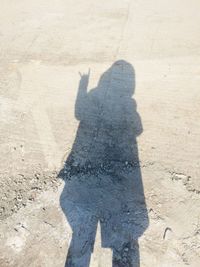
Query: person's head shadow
[{"x": 103, "y": 181}]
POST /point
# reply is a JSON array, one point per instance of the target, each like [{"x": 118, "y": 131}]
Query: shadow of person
[{"x": 103, "y": 182}]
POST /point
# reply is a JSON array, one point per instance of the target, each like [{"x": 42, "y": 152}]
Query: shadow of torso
[{"x": 102, "y": 175}]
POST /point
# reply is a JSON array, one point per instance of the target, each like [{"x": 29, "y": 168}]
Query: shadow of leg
[
  {"x": 79, "y": 253},
  {"x": 81, "y": 246},
  {"x": 127, "y": 255}
]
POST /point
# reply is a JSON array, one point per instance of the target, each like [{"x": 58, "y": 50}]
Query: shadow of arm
[
  {"x": 139, "y": 127},
  {"x": 81, "y": 99},
  {"x": 137, "y": 122}
]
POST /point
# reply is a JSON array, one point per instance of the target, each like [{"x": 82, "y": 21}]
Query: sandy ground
[{"x": 48, "y": 130}]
